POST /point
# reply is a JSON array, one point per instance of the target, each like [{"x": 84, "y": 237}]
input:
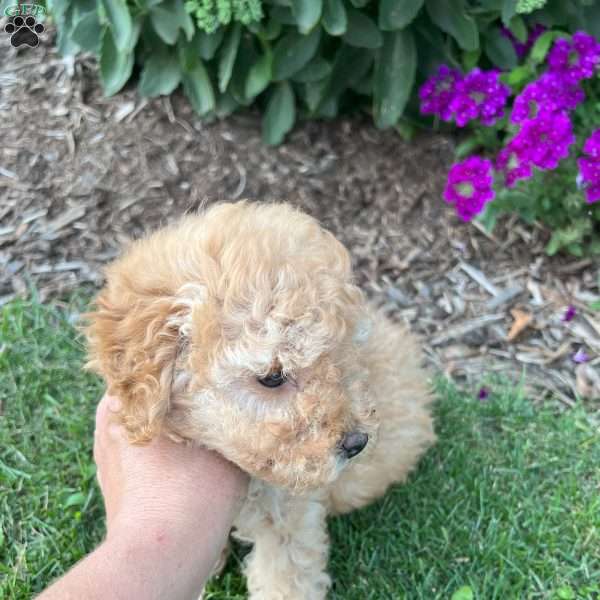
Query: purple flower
[
  {"x": 569, "y": 313},
  {"x": 589, "y": 167},
  {"x": 477, "y": 95},
  {"x": 438, "y": 91},
  {"x": 480, "y": 94},
  {"x": 581, "y": 356},
  {"x": 483, "y": 393},
  {"x": 470, "y": 186},
  {"x": 544, "y": 141},
  {"x": 541, "y": 142},
  {"x": 523, "y": 48},
  {"x": 514, "y": 164},
  {"x": 548, "y": 94},
  {"x": 575, "y": 59}
]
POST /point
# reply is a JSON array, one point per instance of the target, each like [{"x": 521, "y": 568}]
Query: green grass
[{"x": 508, "y": 502}]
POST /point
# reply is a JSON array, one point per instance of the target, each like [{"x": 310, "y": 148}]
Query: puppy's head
[{"x": 239, "y": 329}]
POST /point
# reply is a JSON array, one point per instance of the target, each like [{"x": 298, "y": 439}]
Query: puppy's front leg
[{"x": 291, "y": 545}]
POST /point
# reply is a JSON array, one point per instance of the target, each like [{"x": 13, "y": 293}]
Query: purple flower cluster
[
  {"x": 589, "y": 167},
  {"x": 575, "y": 59},
  {"x": 541, "y": 111},
  {"x": 477, "y": 95},
  {"x": 548, "y": 94},
  {"x": 438, "y": 91},
  {"x": 470, "y": 186},
  {"x": 541, "y": 142},
  {"x": 546, "y": 132},
  {"x": 523, "y": 48}
]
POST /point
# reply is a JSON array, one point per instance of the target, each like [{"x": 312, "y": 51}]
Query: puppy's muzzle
[{"x": 353, "y": 443}]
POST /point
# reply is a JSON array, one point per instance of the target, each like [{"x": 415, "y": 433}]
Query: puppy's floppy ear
[{"x": 136, "y": 336}]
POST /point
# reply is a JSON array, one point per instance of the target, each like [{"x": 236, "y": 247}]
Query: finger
[{"x": 113, "y": 403}]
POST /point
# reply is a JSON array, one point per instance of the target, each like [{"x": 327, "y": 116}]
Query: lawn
[{"x": 506, "y": 506}]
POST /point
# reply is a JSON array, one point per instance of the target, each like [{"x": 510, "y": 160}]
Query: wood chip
[
  {"x": 504, "y": 297},
  {"x": 460, "y": 330},
  {"x": 63, "y": 220},
  {"x": 480, "y": 278},
  {"x": 587, "y": 382},
  {"x": 521, "y": 320}
]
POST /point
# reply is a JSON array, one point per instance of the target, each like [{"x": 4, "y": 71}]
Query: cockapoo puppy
[{"x": 241, "y": 329}]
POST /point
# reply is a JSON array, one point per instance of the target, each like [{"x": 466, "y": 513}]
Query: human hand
[
  {"x": 169, "y": 510},
  {"x": 162, "y": 482}
]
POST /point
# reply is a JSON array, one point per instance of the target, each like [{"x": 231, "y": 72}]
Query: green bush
[{"x": 296, "y": 58}]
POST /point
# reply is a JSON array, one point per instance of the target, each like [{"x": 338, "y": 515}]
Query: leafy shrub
[
  {"x": 303, "y": 58},
  {"x": 546, "y": 146},
  {"x": 210, "y": 14}
]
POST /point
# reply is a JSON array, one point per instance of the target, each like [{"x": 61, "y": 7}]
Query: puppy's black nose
[{"x": 353, "y": 443}]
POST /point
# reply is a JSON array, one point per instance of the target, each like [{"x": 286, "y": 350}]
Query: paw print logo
[{"x": 24, "y": 31}]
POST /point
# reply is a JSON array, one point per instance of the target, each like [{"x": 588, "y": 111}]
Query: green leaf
[
  {"x": 283, "y": 15},
  {"x": 394, "y": 77},
  {"x": 591, "y": 17},
  {"x": 208, "y": 43},
  {"x": 471, "y": 59},
  {"x": 396, "y": 14},
  {"x": 228, "y": 56},
  {"x": 359, "y": 3},
  {"x": 115, "y": 66},
  {"x": 334, "y": 17},
  {"x": 280, "y": 114},
  {"x": 120, "y": 23},
  {"x": 266, "y": 30},
  {"x": 463, "y": 593},
  {"x": 312, "y": 93},
  {"x": 349, "y": 67},
  {"x": 76, "y": 499},
  {"x": 168, "y": 18},
  {"x": 161, "y": 74},
  {"x": 198, "y": 89},
  {"x": 364, "y": 87},
  {"x": 467, "y": 146},
  {"x": 450, "y": 16},
  {"x": 307, "y": 13},
  {"x": 406, "y": 130},
  {"x": 334, "y": 20},
  {"x": 87, "y": 32},
  {"x": 246, "y": 58},
  {"x": 293, "y": 51},
  {"x": 315, "y": 70},
  {"x": 226, "y": 105},
  {"x": 188, "y": 54},
  {"x": 259, "y": 75},
  {"x": 146, "y": 5},
  {"x": 509, "y": 10},
  {"x": 519, "y": 29},
  {"x": 518, "y": 76},
  {"x": 500, "y": 50},
  {"x": 362, "y": 31},
  {"x": 542, "y": 45}
]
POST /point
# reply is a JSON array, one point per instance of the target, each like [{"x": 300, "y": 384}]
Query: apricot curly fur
[{"x": 192, "y": 315}]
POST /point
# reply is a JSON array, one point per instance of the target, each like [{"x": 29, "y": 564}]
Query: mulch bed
[{"x": 81, "y": 174}]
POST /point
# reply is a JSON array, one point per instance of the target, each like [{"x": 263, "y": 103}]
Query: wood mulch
[{"x": 81, "y": 174}]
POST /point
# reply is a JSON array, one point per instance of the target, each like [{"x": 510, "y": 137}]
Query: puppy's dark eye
[{"x": 273, "y": 379}]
